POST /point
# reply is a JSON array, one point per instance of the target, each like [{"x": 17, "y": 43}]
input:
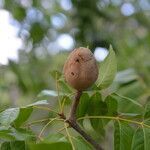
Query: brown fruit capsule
[{"x": 80, "y": 69}]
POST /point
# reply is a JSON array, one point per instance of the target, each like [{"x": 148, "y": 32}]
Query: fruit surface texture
[{"x": 80, "y": 69}]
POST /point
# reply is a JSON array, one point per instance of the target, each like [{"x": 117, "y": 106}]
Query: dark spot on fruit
[
  {"x": 77, "y": 60},
  {"x": 72, "y": 73}
]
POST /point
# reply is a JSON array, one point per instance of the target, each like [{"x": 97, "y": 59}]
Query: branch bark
[
  {"x": 73, "y": 123},
  {"x": 75, "y": 106}
]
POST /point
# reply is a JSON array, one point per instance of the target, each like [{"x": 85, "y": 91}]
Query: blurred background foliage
[{"x": 46, "y": 25}]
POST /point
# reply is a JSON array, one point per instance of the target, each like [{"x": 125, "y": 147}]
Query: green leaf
[
  {"x": 6, "y": 136},
  {"x": 14, "y": 145},
  {"x": 18, "y": 115},
  {"x": 147, "y": 111},
  {"x": 48, "y": 93},
  {"x": 83, "y": 106},
  {"x": 112, "y": 105},
  {"x": 5, "y": 146},
  {"x": 64, "y": 87},
  {"x": 141, "y": 139},
  {"x": 57, "y": 137},
  {"x": 81, "y": 144},
  {"x": 146, "y": 132},
  {"x": 52, "y": 141},
  {"x": 138, "y": 140},
  {"x": 97, "y": 108},
  {"x": 107, "y": 70},
  {"x": 123, "y": 135},
  {"x": 51, "y": 146},
  {"x": 21, "y": 134},
  {"x": 126, "y": 76},
  {"x": 65, "y": 100},
  {"x": 24, "y": 114},
  {"x": 52, "y": 93},
  {"x": 2, "y": 128},
  {"x": 8, "y": 116},
  {"x": 16, "y": 134},
  {"x": 147, "y": 121},
  {"x": 18, "y": 145},
  {"x": 132, "y": 106},
  {"x": 56, "y": 74},
  {"x": 128, "y": 99},
  {"x": 41, "y": 102},
  {"x": 133, "y": 90}
]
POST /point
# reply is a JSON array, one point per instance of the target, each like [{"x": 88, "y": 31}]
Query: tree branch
[
  {"x": 87, "y": 137},
  {"x": 73, "y": 123}
]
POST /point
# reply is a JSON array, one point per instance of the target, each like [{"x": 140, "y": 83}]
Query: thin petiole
[
  {"x": 64, "y": 100},
  {"x": 57, "y": 89},
  {"x": 38, "y": 121},
  {"x": 46, "y": 108},
  {"x": 43, "y": 129},
  {"x": 114, "y": 118},
  {"x": 61, "y": 129},
  {"x": 69, "y": 136}
]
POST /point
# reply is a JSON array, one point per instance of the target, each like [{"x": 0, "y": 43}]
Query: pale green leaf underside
[
  {"x": 107, "y": 70},
  {"x": 8, "y": 116}
]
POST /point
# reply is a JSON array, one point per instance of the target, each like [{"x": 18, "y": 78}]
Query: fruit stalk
[
  {"x": 74, "y": 106},
  {"x": 73, "y": 123}
]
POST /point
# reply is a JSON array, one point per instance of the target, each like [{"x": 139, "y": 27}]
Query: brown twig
[
  {"x": 73, "y": 123},
  {"x": 74, "y": 106}
]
